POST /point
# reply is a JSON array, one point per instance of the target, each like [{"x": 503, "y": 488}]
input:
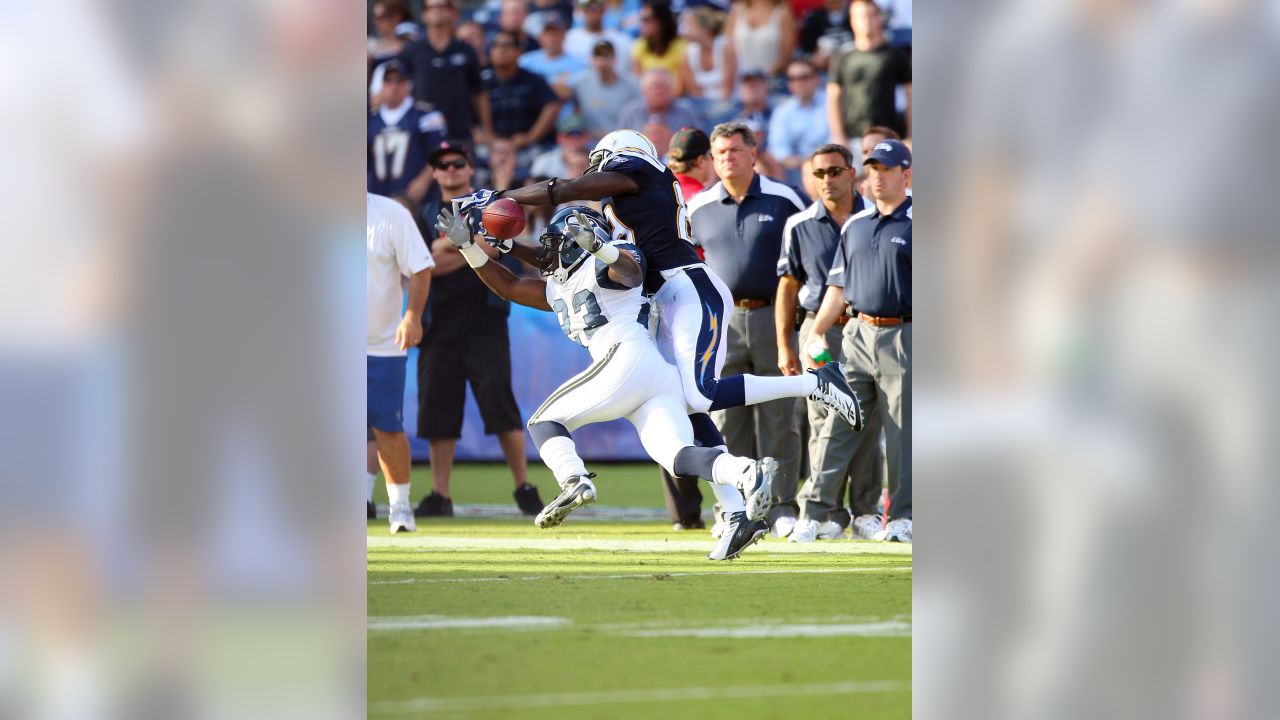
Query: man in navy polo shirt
[
  {"x": 524, "y": 106},
  {"x": 738, "y": 224},
  {"x": 446, "y": 73},
  {"x": 809, "y": 243},
  {"x": 871, "y": 276}
]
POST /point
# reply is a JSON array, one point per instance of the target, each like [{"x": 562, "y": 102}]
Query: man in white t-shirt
[{"x": 395, "y": 250}]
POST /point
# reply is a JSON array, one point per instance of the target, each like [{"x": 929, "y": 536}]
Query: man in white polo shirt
[{"x": 394, "y": 250}]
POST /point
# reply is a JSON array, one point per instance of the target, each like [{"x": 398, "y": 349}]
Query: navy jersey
[
  {"x": 654, "y": 218},
  {"x": 398, "y": 151}
]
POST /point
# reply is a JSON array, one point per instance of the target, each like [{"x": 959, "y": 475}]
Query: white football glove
[
  {"x": 454, "y": 226},
  {"x": 584, "y": 234}
]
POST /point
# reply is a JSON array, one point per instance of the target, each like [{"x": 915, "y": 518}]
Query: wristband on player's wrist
[
  {"x": 607, "y": 254},
  {"x": 474, "y": 255}
]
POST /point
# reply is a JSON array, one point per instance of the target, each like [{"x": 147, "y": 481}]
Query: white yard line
[
  {"x": 890, "y": 628},
  {"x": 613, "y": 697},
  {"x": 747, "y": 628},
  {"x": 563, "y": 542},
  {"x": 437, "y": 622},
  {"x": 650, "y": 575}
]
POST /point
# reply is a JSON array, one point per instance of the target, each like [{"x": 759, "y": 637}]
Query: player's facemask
[{"x": 559, "y": 254}]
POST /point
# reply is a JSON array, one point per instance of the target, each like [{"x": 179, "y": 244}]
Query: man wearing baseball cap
[
  {"x": 401, "y": 134},
  {"x": 870, "y": 277},
  {"x": 465, "y": 341},
  {"x": 689, "y": 157}
]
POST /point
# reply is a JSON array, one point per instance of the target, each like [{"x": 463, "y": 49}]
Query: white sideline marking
[
  {"x": 436, "y": 622},
  {"x": 611, "y": 697},
  {"x": 833, "y": 547},
  {"x": 891, "y": 628},
  {"x": 746, "y": 628},
  {"x": 623, "y": 576}
]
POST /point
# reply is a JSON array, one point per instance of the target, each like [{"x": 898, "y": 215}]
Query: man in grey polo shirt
[
  {"x": 809, "y": 243},
  {"x": 871, "y": 275},
  {"x": 738, "y": 224}
]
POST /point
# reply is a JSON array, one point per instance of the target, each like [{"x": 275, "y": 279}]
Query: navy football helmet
[{"x": 560, "y": 254}]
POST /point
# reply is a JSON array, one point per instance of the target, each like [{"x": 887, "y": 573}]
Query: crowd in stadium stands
[{"x": 528, "y": 86}]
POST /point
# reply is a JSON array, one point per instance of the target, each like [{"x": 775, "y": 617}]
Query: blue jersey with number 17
[{"x": 654, "y": 217}]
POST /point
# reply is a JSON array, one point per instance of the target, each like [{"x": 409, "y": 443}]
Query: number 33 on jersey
[{"x": 596, "y": 312}]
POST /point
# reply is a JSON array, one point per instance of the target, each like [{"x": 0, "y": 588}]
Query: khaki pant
[
  {"x": 838, "y": 456},
  {"x": 877, "y": 362}
]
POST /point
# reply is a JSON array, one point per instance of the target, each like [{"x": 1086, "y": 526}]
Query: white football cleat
[
  {"x": 722, "y": 524},
  {"x": 805, "y": 531},
  {"x": 757, "y": 487},
  {"x": 898, "y": 530},
  {"x": 866, "y": 526},
  {"x": 401, "y": 519},
  {"x": 740, "y": 534},
  {"x": 783, "y": 526},
  {"x": 830, "y": 530},
  {"x": 577, "y": 491}
]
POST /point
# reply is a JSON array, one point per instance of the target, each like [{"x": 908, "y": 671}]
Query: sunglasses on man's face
[
  {"x": 456, "y": 164},
  {"x": 821, "y": 173}
]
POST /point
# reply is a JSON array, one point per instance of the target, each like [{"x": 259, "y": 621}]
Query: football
[{"x": 504, "y": 219}]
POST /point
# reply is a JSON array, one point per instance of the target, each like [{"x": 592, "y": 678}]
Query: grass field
[{"x": 493, "y": 618}]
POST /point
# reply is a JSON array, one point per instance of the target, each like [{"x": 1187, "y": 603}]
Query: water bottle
[{"x": 819, "y": 354}]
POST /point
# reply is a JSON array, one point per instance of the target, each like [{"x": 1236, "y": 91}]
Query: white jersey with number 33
[{"x": 596, "y": 312}]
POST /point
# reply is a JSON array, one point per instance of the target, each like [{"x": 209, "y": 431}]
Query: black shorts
[{"x": 445, "y": 368}]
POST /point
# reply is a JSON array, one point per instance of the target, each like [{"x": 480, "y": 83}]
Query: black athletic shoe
[
  {"x": 434, "y": 505},
  {"x": 527, "y": 499},
  {"x": 740, "y": 534},
  {"x": 370, "y": 510}
]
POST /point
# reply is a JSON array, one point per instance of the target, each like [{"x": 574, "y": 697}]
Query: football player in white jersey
[{"x": 593, "y": 284}]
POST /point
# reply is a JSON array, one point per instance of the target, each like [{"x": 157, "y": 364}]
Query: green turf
[
  {"x": 621, "y": 484},
  {"x": 625, "y": 645}
]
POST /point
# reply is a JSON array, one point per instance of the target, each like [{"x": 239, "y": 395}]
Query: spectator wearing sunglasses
[
  {"x": 799, "y": 124},
  {"x": 465, "y": 341},
  {"x": 809, "y": 243}
]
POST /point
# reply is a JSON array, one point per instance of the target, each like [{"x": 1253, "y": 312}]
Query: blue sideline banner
[{"x": 542, "y": 358}]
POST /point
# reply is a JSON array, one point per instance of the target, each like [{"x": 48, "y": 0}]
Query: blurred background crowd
[
  {"x": 500, "y": 94},
  {"x": 530, "y": 85}
]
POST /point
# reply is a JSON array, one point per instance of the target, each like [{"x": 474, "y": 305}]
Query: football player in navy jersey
[
  {"x": 642, "y": 201},
  {"x": 401, "y": 133}
]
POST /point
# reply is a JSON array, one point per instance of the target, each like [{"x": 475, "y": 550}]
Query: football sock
[
  {"x": 398, "y": 494},
  {"x": 695, "y": 462},
  {"x": 729, "y": 469},
  {"x": 729, "y": 497},
  {"x": 763, "y": 389},
  {"x": 561, "y": 455},
  {"x": 373, "y": 479}
]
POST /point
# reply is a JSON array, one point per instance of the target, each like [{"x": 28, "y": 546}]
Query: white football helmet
[{"x": 619, "y": 141}]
